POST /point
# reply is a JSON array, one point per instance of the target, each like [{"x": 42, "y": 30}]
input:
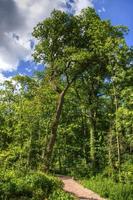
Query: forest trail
[{"x": 73, "y": 187}]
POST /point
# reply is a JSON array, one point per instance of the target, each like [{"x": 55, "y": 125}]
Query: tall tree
[{"x": 69, "y": 46}]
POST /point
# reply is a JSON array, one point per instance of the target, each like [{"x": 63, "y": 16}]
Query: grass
[
  {"x": 109, "y": 189},
  {"x": 61, "y": 195}
]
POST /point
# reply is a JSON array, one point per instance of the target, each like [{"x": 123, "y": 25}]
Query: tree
[{"x": 69, "y": 46}]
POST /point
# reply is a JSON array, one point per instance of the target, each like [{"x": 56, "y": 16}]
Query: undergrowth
[
  {"x": 33, "y": 185},
  {"x": 109, "y": 189}
]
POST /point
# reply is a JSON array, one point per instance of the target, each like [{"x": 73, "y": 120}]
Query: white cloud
[
  {"x": 36, "y": 10},
  {"x": 12, "y": 51},
  {"x": 28, "y": 69},
  {"x": 80, "y": 4},
  {"x": 102, "y": 10},
  {"x": 17, "y": 19},
  {"x": 3, "y": 78}
]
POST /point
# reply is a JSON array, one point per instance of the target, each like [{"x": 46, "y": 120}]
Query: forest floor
[{"x": 73, "y": 187}]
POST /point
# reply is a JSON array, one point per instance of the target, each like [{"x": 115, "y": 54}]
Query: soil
[{"x": 73, "y": 187}]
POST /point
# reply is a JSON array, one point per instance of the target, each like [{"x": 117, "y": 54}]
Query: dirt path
[{"x": 78, "y": 190}]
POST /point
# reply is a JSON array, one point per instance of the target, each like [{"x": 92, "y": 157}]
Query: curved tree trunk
[{"x": 54, "y": 127}]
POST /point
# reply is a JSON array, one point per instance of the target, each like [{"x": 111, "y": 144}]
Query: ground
[{"x": 73, "y": 187}]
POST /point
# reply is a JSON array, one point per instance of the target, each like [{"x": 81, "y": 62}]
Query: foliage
[
  {"x": 60, "y": 195},
  {"x": 107, "y": 188},
  {"x": 75, "y": 117},
  {"x": 31, "y": 185}
]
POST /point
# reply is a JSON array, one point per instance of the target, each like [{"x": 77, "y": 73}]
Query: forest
[{"x": 73, "y": 118}]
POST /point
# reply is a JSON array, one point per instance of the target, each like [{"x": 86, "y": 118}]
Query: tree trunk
[
  {"x": 55, "y": 124},
  {"x": 54, "y": 127},
  {"x": 92, "y": 138},
  {"x": 116, "y": 130},
  {"x": 110, "y": 152},
  {"x": 86, "y": 136},
  {"x": 92, "y": 144}
]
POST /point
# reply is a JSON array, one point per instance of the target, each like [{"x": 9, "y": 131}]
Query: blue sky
[
  {"x": 120, "y": 12},
  {"x": 17, "y": 42}
]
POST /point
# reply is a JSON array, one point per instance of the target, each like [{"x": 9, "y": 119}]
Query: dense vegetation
[
  {"x": 109, "y": 189},
  {"x": 75, "y": 117},
  {"x": 36, "y": 186}
]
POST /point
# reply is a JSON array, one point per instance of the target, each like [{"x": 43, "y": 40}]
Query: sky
[{"x": 18, "y": 17}]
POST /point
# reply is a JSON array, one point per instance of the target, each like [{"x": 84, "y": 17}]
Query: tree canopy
[{"x": 75, "y": 117}]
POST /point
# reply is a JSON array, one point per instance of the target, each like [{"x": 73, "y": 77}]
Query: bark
[
  {"x": 110, "y": 152},
  {"x": 93, "y": 138},
  {"x": 117, "y": 132},
  {"x": 54, "y": 127},
  {"x": 54, "y": 130},
  {"x": 91, "y": 124},
  {"x": 92, "y": 144},
  {"x": 86, "y": 136},
  {"x": 116, "y": 129}
]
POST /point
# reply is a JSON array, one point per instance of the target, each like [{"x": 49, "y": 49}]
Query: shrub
[
  {"x": 31, "y": 186},
  {"x": 107, "y": 188},
  {"x": 60, "y": 195},
  {"x": 126, "y": 174}
]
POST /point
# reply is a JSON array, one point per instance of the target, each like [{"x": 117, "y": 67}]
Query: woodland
[{"x": 73, "y": 118}]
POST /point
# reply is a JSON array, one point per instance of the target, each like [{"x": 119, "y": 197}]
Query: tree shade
[{"x": 75, "y": 117}]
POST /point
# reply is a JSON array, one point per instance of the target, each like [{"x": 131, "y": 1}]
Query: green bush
[
  {"x": 107, "y": 188},
  {"x": 126, "y": 174},
  {"x": 31, "y": 186},
  {"x": 60, "y": 195}
]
